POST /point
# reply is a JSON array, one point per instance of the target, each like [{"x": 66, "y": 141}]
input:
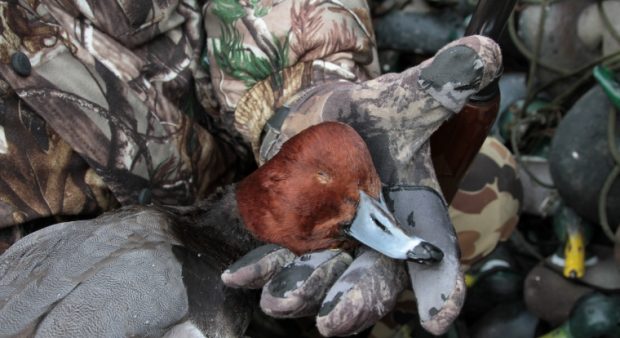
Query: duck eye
[
  {"x": 323, "y": 177},
  {"x": 350, "y": 200}
]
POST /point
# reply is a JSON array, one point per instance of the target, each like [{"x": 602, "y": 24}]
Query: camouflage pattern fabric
[
  {"x": 122, "y": 74},
  {"x": 486, "y": 208},
  {"x": 249, "y": 41},
  {"x": 41, "y": 175},
  {"x": 394, "y": 113},
  {"x": 99, "y": 103},
  {"x": 484, "y": 211},
  {"x": 108, "y": 113}
]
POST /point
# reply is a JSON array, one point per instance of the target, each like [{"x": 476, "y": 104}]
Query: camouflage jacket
[
  {"x": 115, "y": 103},
  {"x": 106, "y": 102}
]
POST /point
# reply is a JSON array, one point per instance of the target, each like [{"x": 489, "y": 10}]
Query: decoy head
[{"x": 320, "y": 190}]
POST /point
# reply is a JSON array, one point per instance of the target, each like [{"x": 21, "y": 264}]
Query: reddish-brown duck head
[{"x": 304, "y": 196}]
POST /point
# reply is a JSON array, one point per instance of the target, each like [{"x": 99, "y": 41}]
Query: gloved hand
[
  {"x": 348, "y": 294},
  {"x": 395, "y": 114}
]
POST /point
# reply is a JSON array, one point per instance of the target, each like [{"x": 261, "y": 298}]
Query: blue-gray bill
[{"x": 375, "y": 226}]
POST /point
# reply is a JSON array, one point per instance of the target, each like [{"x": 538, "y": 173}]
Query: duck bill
[
  {"x": 375, "y": 226},
  {"x": 575, "y": 256}
]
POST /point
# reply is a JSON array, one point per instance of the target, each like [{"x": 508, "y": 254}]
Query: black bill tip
[{"x": 425, "y": 253}]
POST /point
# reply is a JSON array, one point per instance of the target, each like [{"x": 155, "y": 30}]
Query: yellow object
[
  {"x": 575, "y": 254},
  {"x": 561, "y": 332},
  {"x": 470, "y": 280}
]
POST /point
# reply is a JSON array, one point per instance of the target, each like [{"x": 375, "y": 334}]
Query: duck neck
[{"x": 214, "y": 227}]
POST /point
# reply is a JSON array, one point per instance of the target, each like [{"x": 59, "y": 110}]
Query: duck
[
  {"x": 593, "y": 315},
  {"x": 155, "y": 270},
  {"x": 574, "y": 233},
  {"x": 335, "y": 201}
]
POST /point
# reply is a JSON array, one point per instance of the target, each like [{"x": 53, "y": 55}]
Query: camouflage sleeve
[
  {"x": 262, "y": 53},
  {"x": 111, "y": 83},
  {"x": 42, "y": 178}
]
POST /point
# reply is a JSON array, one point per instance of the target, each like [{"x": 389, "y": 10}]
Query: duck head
[{"x": 321, "y": 191}]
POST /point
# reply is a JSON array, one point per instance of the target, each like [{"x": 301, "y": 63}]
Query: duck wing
[{"x": 121, "y": 274}]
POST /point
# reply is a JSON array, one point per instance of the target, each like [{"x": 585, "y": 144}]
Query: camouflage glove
[
  {"x": 348, "y": 294},
  {"x": 395, "y": 114}
]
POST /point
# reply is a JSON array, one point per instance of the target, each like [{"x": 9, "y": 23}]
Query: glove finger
[
  {"x": 298, "y": 289},
  {"x": 460, "y": 69},
  {"x": 256, "y": 268},
  {"x": 362, "y": 295},
  {"x": 437, "y": 311},
  {"x": 439, "y": 287}
]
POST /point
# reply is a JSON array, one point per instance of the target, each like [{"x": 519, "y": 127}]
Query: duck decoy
[
  {"x": 592, "y": 28},
  {"x": 550, "y": 296},
  {"x": 559, "y": 50},
  {"x": 491, "y": 282},
  {"x": 574, "y": 234},
  {"x": 594, "y": 315},
  {"x": 155, "y": 271},
  {"x": 421, "y": 32},
  {"x": 581, "y": 159},
  {"x": 509, "y": 319}
]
